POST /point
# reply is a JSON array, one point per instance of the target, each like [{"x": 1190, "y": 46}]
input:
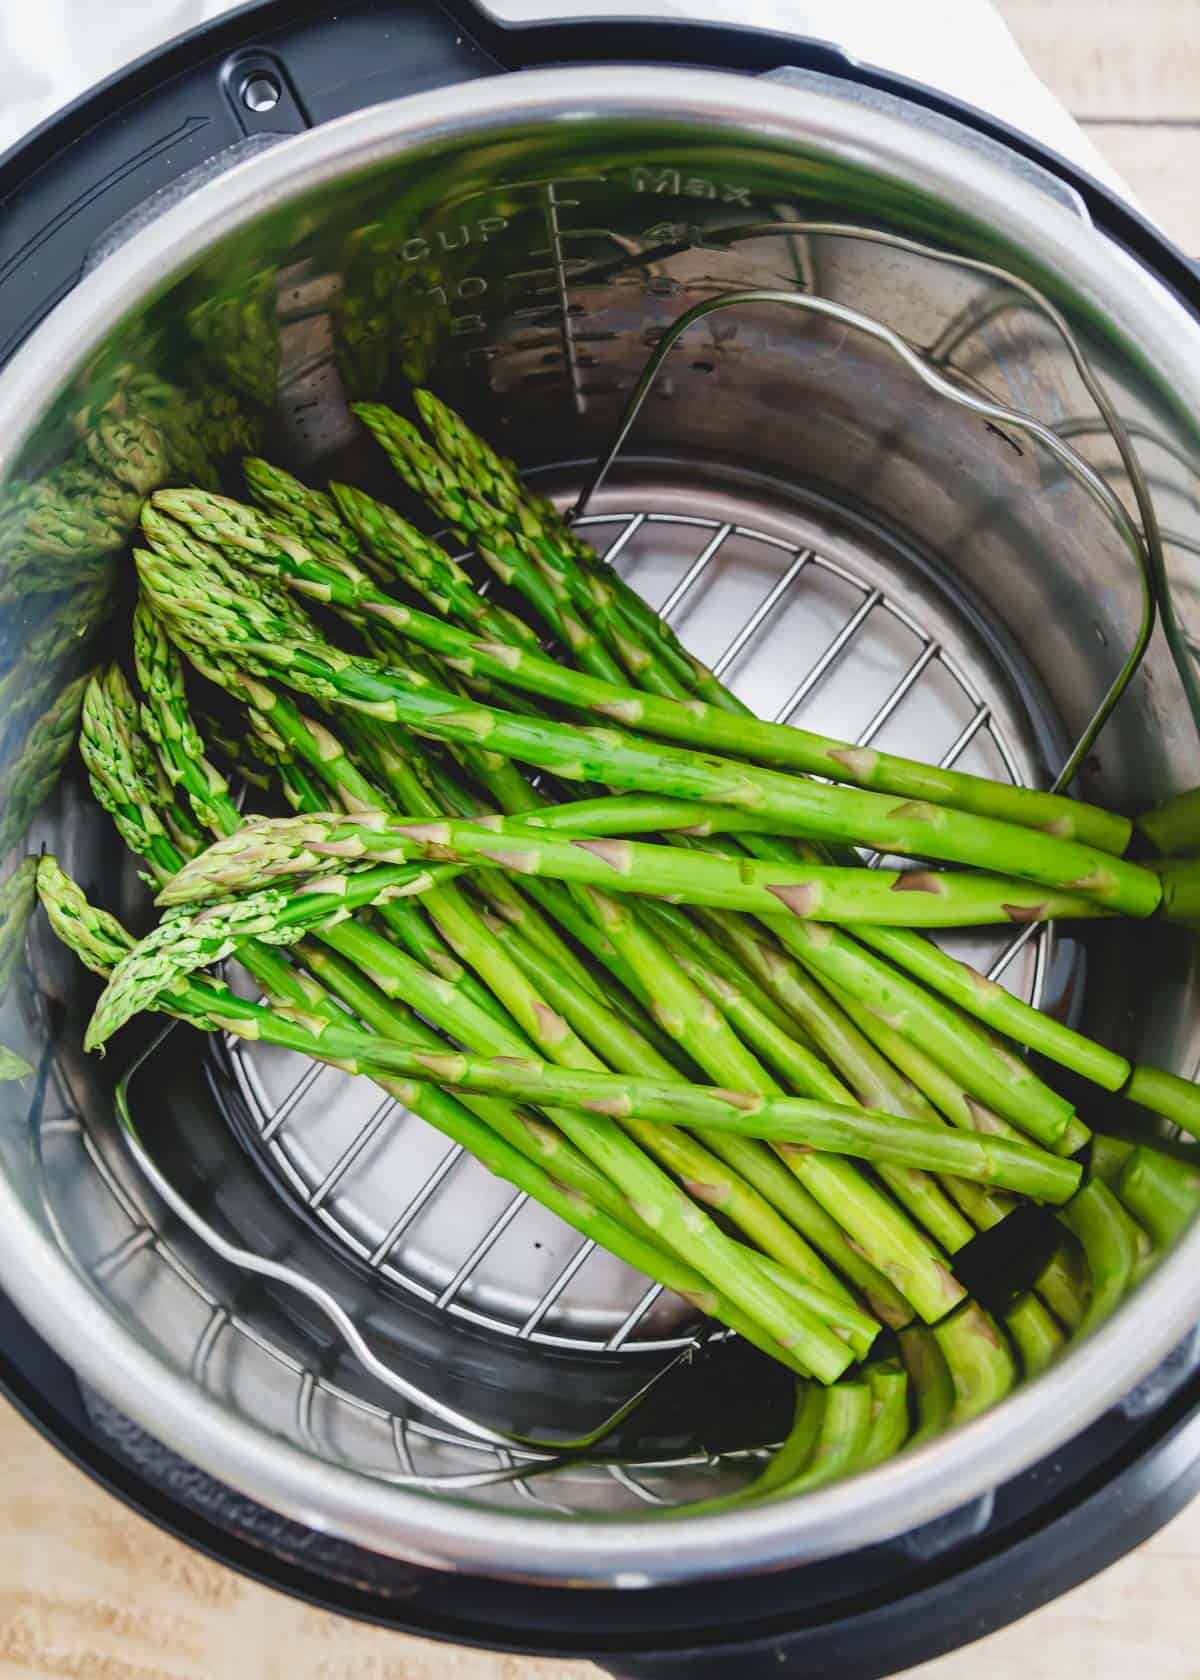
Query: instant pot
[{"x": 292, "y": 207}]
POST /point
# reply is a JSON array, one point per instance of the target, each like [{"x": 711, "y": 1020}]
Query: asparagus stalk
[
  {"x": 917, "y": 827},
  {"x": 998, "y": 1008},
  {"x": 796, "y": 1202},
  {"x": 799, "y": 1122},
  {"x": 806, "y": 891}
]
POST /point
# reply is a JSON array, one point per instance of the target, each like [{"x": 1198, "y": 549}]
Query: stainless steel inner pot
[{"x": 853, "y": 551}]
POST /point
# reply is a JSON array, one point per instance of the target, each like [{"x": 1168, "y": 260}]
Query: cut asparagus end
[
  {"x": 980, "y": 1358},
  {"x": 1167, "y": 1094},
  {"x": 1038, "y": 1336}
]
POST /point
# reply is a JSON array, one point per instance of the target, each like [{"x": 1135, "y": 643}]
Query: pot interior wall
[{"x": 525, "y": 274}]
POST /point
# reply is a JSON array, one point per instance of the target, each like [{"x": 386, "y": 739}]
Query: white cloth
[{"x": 53, "y": 50}]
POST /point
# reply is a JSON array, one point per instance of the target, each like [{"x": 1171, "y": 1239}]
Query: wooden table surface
[{"x": 90, "y": 1592}]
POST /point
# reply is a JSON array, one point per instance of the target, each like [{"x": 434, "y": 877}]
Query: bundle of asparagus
[{"x": 723, "y": 1050}]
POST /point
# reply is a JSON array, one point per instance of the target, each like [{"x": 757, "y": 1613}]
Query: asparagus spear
[
  {"x": 804, "y": 891},
  {"x": 800, "y": 1122},
  {"x": 916, "y": 826}
]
